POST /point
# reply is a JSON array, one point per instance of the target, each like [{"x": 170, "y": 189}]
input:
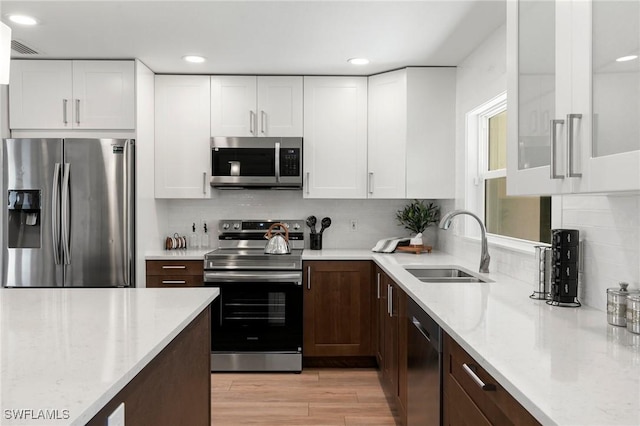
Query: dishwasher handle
[{"x": 421, "y": 329}]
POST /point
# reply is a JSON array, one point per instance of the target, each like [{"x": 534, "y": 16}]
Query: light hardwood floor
[{"x": 330, "y": 397}]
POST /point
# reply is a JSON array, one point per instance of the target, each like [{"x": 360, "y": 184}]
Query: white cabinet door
[
  {"x": 40, "y": 95},
  {"x": 534, "y": 86},
  {"x": 612, "y": 157},
  {"x": 103, "y": 95},
  {"x": 431, "y": 132},
  {"x": 387, "y": 135},
  {"x": 182, "y": 149},
  {"x": 233, "y": 106},
  {"x": 72, "y": 95},
  {"x": 279, "y": 106},
  {"x": 577, "y": 126},
  {"x": 335, "y": 137}
]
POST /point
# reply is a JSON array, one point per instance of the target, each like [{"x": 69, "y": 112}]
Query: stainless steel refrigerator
[{"x": 69, "y": 218}]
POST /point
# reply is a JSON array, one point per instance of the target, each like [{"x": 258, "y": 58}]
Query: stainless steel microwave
[{"x": 254, "y": 162}]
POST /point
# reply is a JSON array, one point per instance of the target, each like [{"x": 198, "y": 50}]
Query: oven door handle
[{"x": 232, "y": 276}]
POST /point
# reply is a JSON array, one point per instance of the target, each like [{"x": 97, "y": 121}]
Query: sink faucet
[{"x": 445, "y": 223}]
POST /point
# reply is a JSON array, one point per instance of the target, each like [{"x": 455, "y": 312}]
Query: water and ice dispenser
[{"x": 24, "y": 218}]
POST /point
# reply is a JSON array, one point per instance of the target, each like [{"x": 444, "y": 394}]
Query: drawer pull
[
  {"x": 174, "y": 282},
  {"x": 174, "y": 267},
  {"x": 470, "y": 371}
]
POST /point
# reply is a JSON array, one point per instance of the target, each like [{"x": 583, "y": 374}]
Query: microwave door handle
[{"x": 277, "y": 162}]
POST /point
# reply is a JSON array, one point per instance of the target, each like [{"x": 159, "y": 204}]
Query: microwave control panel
[{"x": 290, "y": 162}]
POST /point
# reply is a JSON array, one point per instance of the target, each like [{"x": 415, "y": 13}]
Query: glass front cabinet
[{"x": 574, "y": 96}]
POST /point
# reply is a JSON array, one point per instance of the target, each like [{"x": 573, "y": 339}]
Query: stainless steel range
[{"x": 257, "y": 320}]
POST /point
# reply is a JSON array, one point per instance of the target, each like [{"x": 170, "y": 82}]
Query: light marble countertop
[
  {"x": 71, "y": 351},
  {"x": 566, "y": 366},
  {"x": 178, "y": 254}
]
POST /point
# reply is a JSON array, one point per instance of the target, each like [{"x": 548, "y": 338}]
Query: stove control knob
[
  {"x": 286, "y": 225},
  {"x": 296, "y": 226},
  {"x": 236, "y": 226},
  {"x": 225, "y": 226}
]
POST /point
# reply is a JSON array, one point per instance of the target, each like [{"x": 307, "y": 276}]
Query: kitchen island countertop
[{"x": 69, "y": 351}]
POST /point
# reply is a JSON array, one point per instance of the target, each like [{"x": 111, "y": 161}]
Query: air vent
[{"x": 21, "y": 48}]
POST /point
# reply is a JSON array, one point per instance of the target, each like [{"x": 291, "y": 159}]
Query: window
[{"x": 513, "y": 217}]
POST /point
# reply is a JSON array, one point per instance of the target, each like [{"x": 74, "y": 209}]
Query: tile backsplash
[
  {"x": 375, "y": 219},
  {"x": 609, "y": 228}
]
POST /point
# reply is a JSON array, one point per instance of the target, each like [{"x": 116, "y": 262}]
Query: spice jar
[
  {"x": 617, "y": 304},
  {"x": 633, "y": 313}
]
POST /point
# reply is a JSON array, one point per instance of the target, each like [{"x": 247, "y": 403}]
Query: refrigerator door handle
[
  {"x": 65, "y": 214},
  {"x": 55, "y": 213},
  {"x": 128, "y": 206}
]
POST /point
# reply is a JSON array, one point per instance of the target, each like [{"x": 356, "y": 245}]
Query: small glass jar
[
  {"x": 633, "y": 313},
  {"x": 617, "y": 304}
]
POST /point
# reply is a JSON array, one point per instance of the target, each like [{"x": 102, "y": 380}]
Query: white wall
[
  {"x": 375, "y": 218},
  {"x": 150, "y": 216},
  {"x": 609, "y": 224}
]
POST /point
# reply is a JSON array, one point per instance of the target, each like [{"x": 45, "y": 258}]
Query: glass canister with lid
[{"x": 617, "y": 299}]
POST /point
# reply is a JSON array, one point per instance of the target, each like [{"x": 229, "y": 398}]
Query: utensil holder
[{"x": 315, "y": 241}]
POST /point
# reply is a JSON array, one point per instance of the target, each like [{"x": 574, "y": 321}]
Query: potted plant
[{"x": 416, "y": 217}]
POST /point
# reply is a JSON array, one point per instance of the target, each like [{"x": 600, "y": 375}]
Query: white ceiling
[{"x": 259, "y": 37}]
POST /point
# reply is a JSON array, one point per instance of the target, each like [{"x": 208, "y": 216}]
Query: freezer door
[
  {"x": 30, "y": 228},
  {"x": 97, "y": 212}
]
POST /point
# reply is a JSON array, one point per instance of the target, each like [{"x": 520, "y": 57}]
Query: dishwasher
[{"x": 424, "y": 372}]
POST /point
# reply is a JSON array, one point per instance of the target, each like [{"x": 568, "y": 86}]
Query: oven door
[{"x": 256, "y": 311}]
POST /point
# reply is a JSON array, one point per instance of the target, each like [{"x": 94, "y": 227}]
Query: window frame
[{"x": 477, "y": 170}]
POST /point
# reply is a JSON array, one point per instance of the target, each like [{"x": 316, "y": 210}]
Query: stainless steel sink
[{"x": 453, "y": 275}]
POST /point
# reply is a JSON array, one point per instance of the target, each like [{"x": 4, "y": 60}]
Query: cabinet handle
[
  {"x": 378, "y": 285},
  {"x": 174, "y": 267},
  {"x": 174, "y": 282},
  {"x": 370, "y": 183},
  {"x": 204, "y": 183},
  {"x": 263, "y": 119},
  {"x": 77, "y": 111},
  {"x": 308, "y": 277},
  {"x": 390, "y": 300},
  {"x": 554, "y": 144},
  {"x": 470, "y": 371},
  {"x": 570, "y": 144},
  {"x": 308, "y": 181},
  {"x": 252, "y": 120},
  {"x": 64, "y": 111}
]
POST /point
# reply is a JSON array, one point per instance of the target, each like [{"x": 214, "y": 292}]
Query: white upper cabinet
[
  {"x": 256, "y": 106},
  {"x": 387, "y": 135},
  {"x": 182, "y": 161},
  {"x": 411, "y": 141},
  {"x": 67, "y": 95},
  {"x": 575, "y": 110},
  {"x": 335, "y": 137}
]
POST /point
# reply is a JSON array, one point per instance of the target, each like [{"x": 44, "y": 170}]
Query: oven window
[
  {"x": 267, "y": 308},
  {"x": 243, "y": 162},
  {"x": 257, "y": 317}
]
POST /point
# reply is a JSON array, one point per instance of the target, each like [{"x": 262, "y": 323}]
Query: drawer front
[
  {"x": 175, "y": 267},
  {"x": 174, "y": 281},
  {"x": 495, "y": 403},
  {"x": 458, "y": 408}
]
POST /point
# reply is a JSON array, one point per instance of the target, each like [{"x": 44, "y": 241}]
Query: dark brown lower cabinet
[
  {"x": 175, "y": 387},
  {"x": 391, "y": 341},
  {"x": 467, "y": 402},
  {"x": 174, "y": 273},
  {"x": 338, "y": 310}
]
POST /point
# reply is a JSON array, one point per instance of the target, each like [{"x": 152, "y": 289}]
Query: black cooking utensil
[
  {"x": 325, "y": 222},
  {"x": 311, "y": 223}
]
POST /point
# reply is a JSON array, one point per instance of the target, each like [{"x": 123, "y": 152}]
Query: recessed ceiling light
[
  {"x": 22, "y": 19},
  {"x": 358, "y": 61},
  {"x": 627, "y": 58},
  {"x": 194, "y": 58}
]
